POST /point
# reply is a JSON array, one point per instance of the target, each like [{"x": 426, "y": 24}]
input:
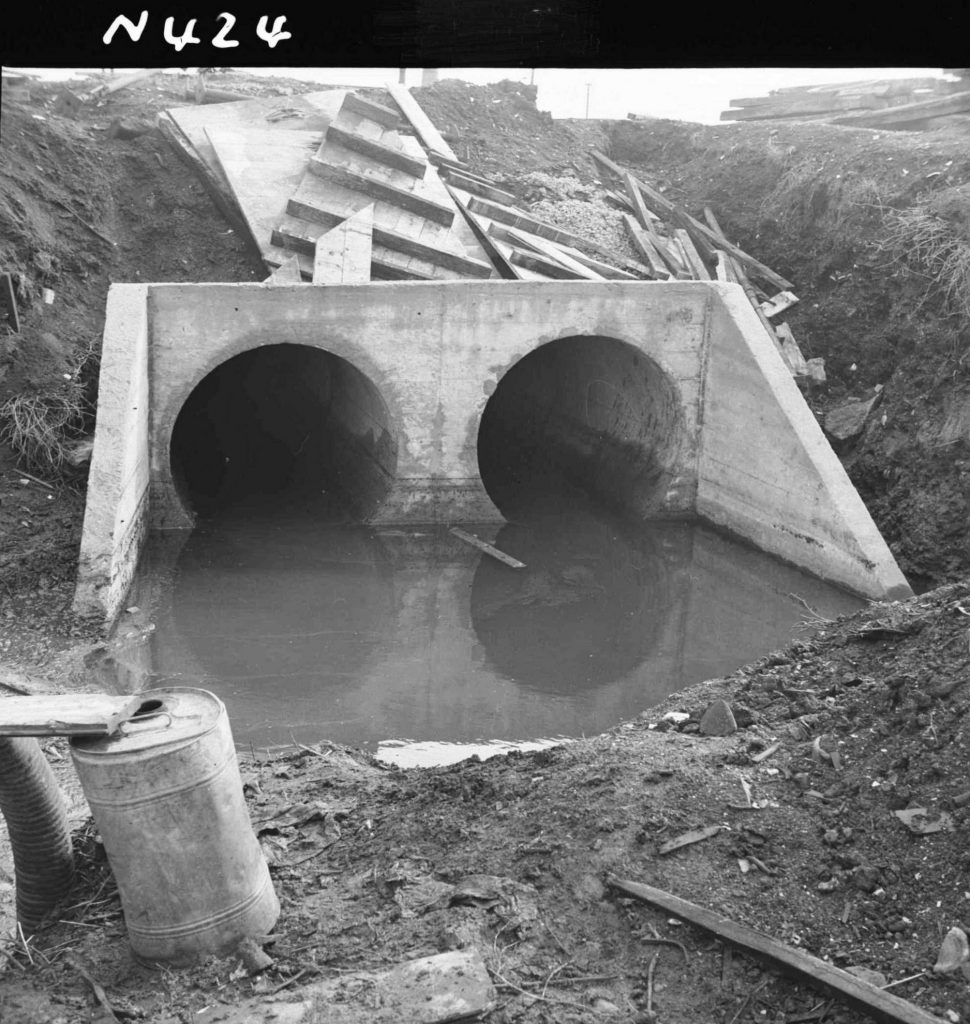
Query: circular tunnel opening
[
  {"x": 283, "y": 424},
  {"x": 581, "y": 420}
]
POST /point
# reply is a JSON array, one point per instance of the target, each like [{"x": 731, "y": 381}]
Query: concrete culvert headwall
[
  {"x": 287, "y": 421},
  {"x": 589, "y": 414}
]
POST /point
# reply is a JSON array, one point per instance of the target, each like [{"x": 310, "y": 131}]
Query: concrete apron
[{"x": 673, "y": 393}]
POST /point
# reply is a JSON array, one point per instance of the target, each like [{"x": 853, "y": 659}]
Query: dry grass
[
  {"x": 928, "y": 244},
  {"x": 41, "y": 426}
]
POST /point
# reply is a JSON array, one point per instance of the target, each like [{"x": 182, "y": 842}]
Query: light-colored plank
[
  {"x": 694, "y": 261},
  {"x": 343, "y": 255},
  {"x": 644, "y": 245},
  {"x": 420, "y": 121},
  {"x": 488, "y": 549},
  {"x": 288, "y": 272},
  {"x": 778, "y": 304},
  {"x": 376, "y": 150},
  {"x": 68, "y": 714},
  {"x": 551, "y": 251}
]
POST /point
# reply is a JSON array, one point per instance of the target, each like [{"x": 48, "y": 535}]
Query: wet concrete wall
[
  {"x": 669, "y": 398},
  {"x": 116, "y": 513}
]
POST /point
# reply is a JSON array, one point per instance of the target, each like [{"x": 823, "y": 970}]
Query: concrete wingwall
[
  {"x": 766, "y": 470},
  {"x": 410, "y": 370},
  {"x": 116, "y": 513}
]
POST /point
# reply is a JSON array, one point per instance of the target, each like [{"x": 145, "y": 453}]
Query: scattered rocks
[
  {"x": 849, "y": 420},
  {"x": 718, "y": 720}
]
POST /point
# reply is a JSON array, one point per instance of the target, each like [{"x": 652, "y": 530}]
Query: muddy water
[{"x": 368, "y": 637}]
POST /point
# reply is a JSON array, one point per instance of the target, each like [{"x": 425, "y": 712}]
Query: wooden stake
[{"x": 470, "y": 538}]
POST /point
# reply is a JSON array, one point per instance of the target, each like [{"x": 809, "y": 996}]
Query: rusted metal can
[{"x": 167, "y": 797}]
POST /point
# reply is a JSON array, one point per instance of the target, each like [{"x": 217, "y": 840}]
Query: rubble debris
[
  {"x": 697, "y": 835},
  {"x": 954, "y": 952},
  {"x": 718, "y": 720},
  {"x": 470, "y": 538},
  {"x": 923, "y": 823},
  {"x": 849, "y": 420},
  {"x": 69, "y": 714}
]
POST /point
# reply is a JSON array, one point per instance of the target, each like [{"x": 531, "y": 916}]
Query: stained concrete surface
[{"x": 666, "y": 399}]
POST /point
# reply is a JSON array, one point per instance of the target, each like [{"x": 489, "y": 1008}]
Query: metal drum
[{"x": 166, "y": 795}]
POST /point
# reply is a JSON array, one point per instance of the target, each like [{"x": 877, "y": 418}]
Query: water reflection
[{"x": 312, "y": 631}]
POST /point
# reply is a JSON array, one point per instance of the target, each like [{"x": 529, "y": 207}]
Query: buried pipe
[{"x": 31, "y": 802}]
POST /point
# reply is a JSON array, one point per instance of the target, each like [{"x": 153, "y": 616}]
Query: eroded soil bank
[{"x": 376, "y": 865}]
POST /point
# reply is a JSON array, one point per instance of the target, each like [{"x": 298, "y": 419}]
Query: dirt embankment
[{"x": 509, "y": 856}]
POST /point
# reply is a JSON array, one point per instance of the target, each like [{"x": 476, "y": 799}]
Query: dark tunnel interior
[
  {"x": 284, "y": 423},
  {"x": 584, "y": 420}
]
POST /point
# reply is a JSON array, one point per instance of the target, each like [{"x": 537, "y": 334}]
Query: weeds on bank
[
  {"x": 42, "y": 426},
  {"x": 928, "y": 244}
]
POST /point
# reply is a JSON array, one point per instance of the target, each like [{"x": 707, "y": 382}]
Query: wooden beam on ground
[
  {"x": 644, "y": 216},
  {"x": 343, "y": 255},
  {"x": 876, "y": 1002},
  {"x": 438, "y": 213},
  {"x": 517, "y": 219},
  {"x": 611, "y": 273},
  {"x": 539, "y": 264},
  {"x": 694, "y": 261},
  {"x": 470, "y": 538},
  {"x": 713, "y": 224},
  {"x": 69, "y": 714},
  {"x": 790, "y": 351},
  {"x": 778, "y": 304},
  {"x": 499, "y": 261},
  {"x": 664, "y": 208},
  {"x": 478, "y": 188},
  {"x": 742, "y": 279},
  {"x": 372, "y": 111},
  {"x": 552, "y": 252},
  {"x": 288, "y": 272},
  {"x": 378, "y": 151},
  {"x": 420, "y": 122},
  {"x": 645, "y": 247}
]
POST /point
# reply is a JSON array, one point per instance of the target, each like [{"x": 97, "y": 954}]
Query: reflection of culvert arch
[
  {"x": 285, "y": 420},
  {"x": 250, "y": 610},
  {"x": 584, "y": 413},
  {"x": 590, "y": 607}
]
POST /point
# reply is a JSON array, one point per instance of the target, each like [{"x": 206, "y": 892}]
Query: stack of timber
[
  {"x": 908, "y": 104},
  {"x": 676, "y": 245}
]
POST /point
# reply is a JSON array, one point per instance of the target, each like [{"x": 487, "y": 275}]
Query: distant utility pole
[
  {"x": 401, "y": 75},
  {"x": 589, "y": 85},
  {"x": 532, "y": 76}
]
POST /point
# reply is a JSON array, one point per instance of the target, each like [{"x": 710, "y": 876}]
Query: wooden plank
[
  {"x": 604, "y": 269},
  {"x": 288, "y": 272},
  {"x": 470, "y": 538},
  {"x": 343, "y": 255},
  {"x": 552, "y": 252},
  {"x": 297, "y": 236},
  {"x": 8, "y": 303},
  {"x": 663, "y": 206},
  {"x": 742, "y": 279},
  {"x": 778, "y": 304},
  {"x": 876, "y": 1002},
  {"x": 378, "y": 151},
  {"x": 394, "y": 240},
  {"x": 420, "y": 121},
  {"x": 790, "y": 351},
  {"x": 517, "y": 219},
  {"x": 694, "y": 261},
  {"x": 642, "y": 243},
  {"x": 373, "y": 186},
  {"x": 697, "y": 835},
  {"x": 712, "y": 223},
  {"x": 538, "y": 263},
  {"x": 373, "y": 111},
  {"x": 499, "y": 260},
  {"x": 724, "y": 267},
  {"x": 908, "y": 113},
  {"x": 68, "y": 714},
  {"x": 478, "y": 188},
  {"x": 643, "y": 215}
]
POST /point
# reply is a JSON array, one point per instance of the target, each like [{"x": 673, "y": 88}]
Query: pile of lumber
[
  {"x": 676, "y": 245},
  {"x": 907, "y": 103},
  {"x": 335, "y": 188}
]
